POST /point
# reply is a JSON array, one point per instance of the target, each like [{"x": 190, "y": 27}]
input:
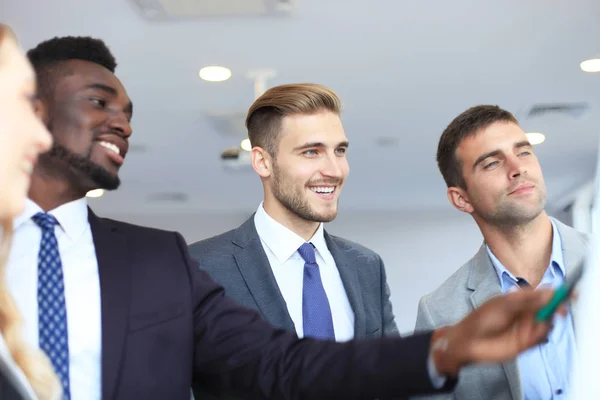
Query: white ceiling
[{"x": 404, "y": 69}]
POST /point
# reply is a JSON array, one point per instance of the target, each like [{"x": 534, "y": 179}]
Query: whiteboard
[{"x": 584, "y": 374}]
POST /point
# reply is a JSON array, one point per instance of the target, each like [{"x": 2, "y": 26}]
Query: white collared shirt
[
  {"x": 281, "y": 246},
  {"x": 82, "y": 289}
]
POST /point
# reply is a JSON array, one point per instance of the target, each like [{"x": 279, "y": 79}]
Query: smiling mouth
[
  {"x": 324, "y": 192},
  {"x": 112, "y": 151},
  {"x": 323, "y": 189},
  {"x": 111, "y": 147}
]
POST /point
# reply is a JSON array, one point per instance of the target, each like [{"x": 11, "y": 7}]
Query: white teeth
[
  {"x": 110, "y": 146},
  {"x": 323, "y": 189}
]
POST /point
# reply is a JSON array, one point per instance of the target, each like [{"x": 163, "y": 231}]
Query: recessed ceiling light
[
  {"x": 245, "y": 145},
  {"x": 535, "y": 137},
  {"x": 95, "y": 193},
  {"x": 215, "y": 73},
  {"x": 592, "y": 65}
]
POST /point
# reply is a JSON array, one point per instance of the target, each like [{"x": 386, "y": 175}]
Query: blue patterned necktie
[
  {"x": 316, "y": 313},
  {"x": 52, "y": 312}
]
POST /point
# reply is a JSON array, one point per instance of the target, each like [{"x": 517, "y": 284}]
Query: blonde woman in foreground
[{"x": 25, "y": 373}]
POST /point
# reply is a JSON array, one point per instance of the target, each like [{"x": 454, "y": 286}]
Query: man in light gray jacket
[{"x": 493, "y": 174}]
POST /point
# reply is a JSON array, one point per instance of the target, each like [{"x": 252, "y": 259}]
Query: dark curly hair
[{"x": 48, "y": 58}]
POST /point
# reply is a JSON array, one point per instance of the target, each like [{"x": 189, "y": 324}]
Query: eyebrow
[
  {"x": 113, "y": 92},
  {"x": 518, "y": 145},
  {"x": 319, "y": 144}
]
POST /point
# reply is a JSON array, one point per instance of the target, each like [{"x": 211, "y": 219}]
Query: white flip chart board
[{"x": 584, "y": 375}]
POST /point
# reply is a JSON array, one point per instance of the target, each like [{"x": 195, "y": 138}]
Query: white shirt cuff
[{"x": 437, "y": 380}]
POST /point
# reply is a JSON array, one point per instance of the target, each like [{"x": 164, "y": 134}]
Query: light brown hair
[
  {"x": 266, "y": 113},
  {"x": 33, "y": 362}
]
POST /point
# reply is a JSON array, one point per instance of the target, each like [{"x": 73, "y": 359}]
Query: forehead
[
  {"x": 321, "y": 127},
  {"x": 81, "y": 74},
  {"x": 499, "y": 136}
]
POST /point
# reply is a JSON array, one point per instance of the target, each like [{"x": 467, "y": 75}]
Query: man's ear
[
  {"x": 459, "y": 198},
  {"x": 262, "y": 162}
]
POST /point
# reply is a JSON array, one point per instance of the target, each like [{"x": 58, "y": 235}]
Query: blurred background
[{"x": 404, "y": 70}]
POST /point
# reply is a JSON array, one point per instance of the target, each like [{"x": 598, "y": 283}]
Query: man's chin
[
  {"x": 93, "y": 173},
  {"x": 325, "y": 216},
  {"x": 101, "y": 179}
]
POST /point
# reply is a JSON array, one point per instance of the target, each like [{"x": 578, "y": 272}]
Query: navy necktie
[
  {"x": 52, "y": 311},
  {"x": 316, "y": 313}
]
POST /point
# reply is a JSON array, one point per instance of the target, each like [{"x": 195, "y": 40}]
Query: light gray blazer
[
  {"x": 469, "y": 287},
  {"x": 237, "y": 261}
]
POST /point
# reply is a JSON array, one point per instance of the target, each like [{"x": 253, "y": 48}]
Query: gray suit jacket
[
  {"x": 469, "y": 287},
  {"x": 237, "y": 261}
]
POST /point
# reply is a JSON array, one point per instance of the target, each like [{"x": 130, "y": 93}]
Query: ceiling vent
[
  {"x": 231, "y": 125},
  {"x": 228, "y": 124},
  {"x": 197, "y": 9},
  {"x": 168, "y": 197},
  {"x": 573, "y": 110},
  {"x": 236, "y": 159}
]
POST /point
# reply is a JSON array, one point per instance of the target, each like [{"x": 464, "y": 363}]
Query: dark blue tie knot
[
  {"x": 45, "y": 221},
  {"x": 307, "y": 251}
]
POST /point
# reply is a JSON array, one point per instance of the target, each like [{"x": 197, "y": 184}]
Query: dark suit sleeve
[
  {"x": 237, "y": 349},
  {"x": 389, "y": 322}
]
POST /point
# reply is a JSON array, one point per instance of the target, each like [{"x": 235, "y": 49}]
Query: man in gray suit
[
  {"x": 281, "y": 261},
  {"x": 492, "y": 174}
]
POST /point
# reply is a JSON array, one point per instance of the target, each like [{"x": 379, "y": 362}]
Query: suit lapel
[
  {"x": 256, "y": 270},
  {"x": 483, "y": 280},
  {"x": 349, "y": 276},
  {"x": 114, "y": 269}
]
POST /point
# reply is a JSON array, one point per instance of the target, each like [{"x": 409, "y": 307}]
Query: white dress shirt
[
  {"x": 82, "y": 289},
  {"x": 281, "y": 246}
]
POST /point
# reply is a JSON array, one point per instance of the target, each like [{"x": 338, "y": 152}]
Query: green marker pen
[{"x": 562, "y": 294}]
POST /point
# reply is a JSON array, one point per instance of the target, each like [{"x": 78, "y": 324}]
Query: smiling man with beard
[
  {"x": 493, "y": 174},
  {"x": 281, "y": 261},
  {"x": 63, "y": 255},
  {"x": 88, "y": 111}
]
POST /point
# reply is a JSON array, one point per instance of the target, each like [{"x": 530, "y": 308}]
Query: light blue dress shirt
[{"x": 544, "y": 369}]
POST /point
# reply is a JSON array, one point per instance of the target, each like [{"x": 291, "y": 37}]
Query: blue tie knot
[
  {"x": 307, "y": 251},
  {"x": 45, "y": 221}
]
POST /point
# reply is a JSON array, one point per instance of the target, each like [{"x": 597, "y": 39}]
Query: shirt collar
[
  {"x": 282, "y": 242},
  {"x": 556, "y": 267},
  {"x": 72, "y": 216}
]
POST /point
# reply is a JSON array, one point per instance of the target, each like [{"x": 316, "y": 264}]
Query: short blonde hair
[
  {"x": 32, "y": 361},
  {"x": 266, "y": 113}
]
